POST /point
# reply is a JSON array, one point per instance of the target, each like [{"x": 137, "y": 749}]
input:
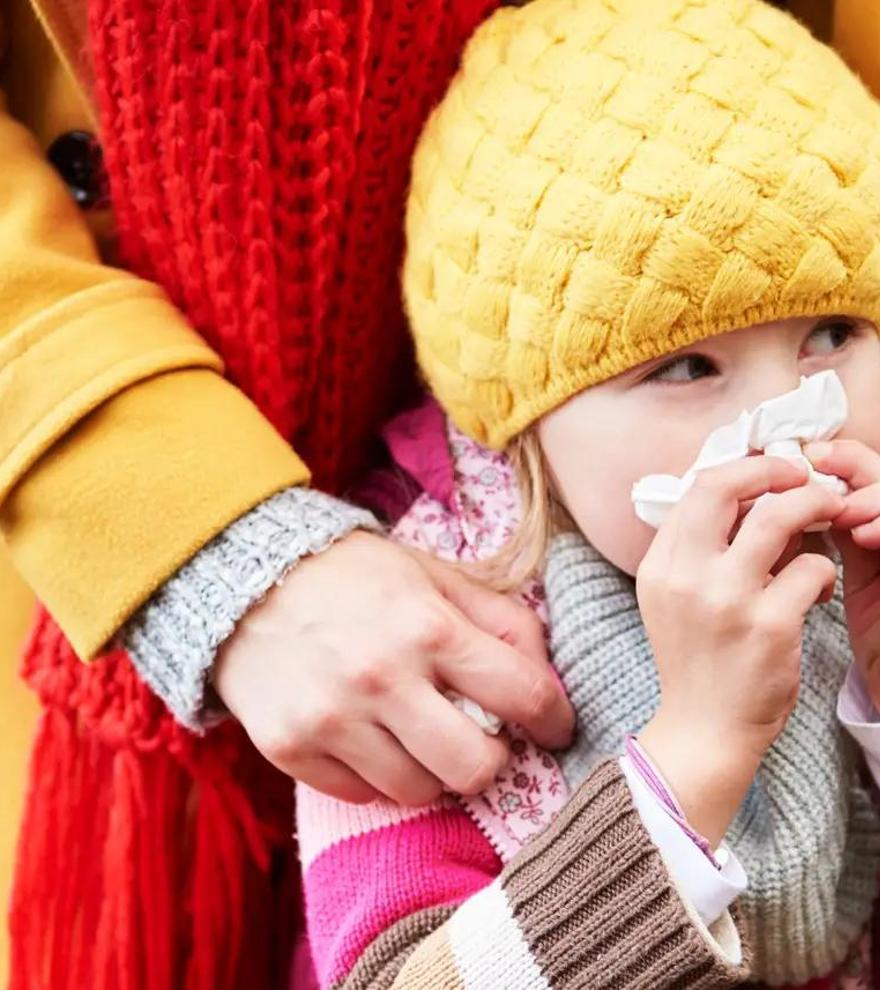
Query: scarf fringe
[{"x": 145, "y": 866}]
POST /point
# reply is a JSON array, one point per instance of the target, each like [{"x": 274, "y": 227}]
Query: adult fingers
[
  {"x": 447, "y": 742},
  {"x": 851, "y": 460},
  {"x": 380, "y": 759},
  {"x": 325, "y": 774},
  {"x": 703, "y": 519},
  {"x": 808, "y": 579},
  {"x": 508, "y": 684},
  {"x": 767, "y": 531},
  {"x": 494, "y": 613}
]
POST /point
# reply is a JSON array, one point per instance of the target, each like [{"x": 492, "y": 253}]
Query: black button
[{"x": 77, "y": 157}]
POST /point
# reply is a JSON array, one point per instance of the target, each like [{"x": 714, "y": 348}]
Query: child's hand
[
  {"x": 726, "y": 632},
  {"x": 857, "y": 535},
  {"x": 338, "y": 676}
]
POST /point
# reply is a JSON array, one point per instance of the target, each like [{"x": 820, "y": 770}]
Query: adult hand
[{"x": 338, "y": 676}]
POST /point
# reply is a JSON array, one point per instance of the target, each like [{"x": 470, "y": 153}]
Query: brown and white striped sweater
[{"x": 418, "y": 900}]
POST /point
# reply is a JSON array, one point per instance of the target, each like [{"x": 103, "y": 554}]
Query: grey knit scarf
[{"x": 808, "y": 833}]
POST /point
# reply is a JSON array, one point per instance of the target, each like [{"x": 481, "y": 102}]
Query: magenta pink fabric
[{"x": 360, "y": 886}]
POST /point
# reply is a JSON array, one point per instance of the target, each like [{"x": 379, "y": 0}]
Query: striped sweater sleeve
[{"x": 416, "y": 899}]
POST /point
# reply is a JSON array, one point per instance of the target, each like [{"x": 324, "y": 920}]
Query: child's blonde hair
[{"x": 543, "y": 515}]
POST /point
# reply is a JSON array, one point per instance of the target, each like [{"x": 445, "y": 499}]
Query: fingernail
[{"x": 817, "y": 450}]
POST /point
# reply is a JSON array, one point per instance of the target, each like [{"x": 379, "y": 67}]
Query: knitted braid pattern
[
  {"x": 258, "y": 155},
  {"x": 609, "y": 180}
]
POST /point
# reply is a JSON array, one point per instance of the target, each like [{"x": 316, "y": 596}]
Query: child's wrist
[{"x": 708, "y": 770}]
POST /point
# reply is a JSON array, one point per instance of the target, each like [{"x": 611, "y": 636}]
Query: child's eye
[
  {"x": 685, "y": 369},
  {"x": 829, "y": 337}
]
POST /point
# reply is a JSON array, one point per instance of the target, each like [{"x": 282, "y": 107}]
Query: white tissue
[
  {"x": 816, "y": 410},
  {"x": 489, "y": 723}
]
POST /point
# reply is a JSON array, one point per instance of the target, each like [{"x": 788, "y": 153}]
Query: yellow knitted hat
[{"x": 609, "y": 180}]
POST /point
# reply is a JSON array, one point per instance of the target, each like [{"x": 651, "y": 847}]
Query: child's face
[{"x": 654, "y": 418}]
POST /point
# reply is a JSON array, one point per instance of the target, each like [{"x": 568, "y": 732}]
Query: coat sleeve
[
  {"x": 122, "y": 448},
  {"x": 417, "y": 900}
]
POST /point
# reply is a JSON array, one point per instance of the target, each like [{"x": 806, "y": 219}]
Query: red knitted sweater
[{"x": 258, "y": 155}]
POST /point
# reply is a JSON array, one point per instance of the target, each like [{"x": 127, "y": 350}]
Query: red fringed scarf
[{"x": 257, "y": 155}]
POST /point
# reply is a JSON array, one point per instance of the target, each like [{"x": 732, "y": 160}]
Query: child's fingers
[
  {"x": 447, "y": 742},
  {"x": 861, "y": 567},
  {"x": 323, "y": 773},
  {"x": 808, "y": 579},
  {"x": 852, "y": 460},
  {"x": 860, "y": 507},
  {"x": 769, "y": 528},
  {"x": 703, "y": 519},
  {"x": 859, "y": 466},
  {"x": 376, "y": 756},
  {"x": 868, "y": 535}
]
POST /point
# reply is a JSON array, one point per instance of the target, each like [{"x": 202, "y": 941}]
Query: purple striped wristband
[{"x": 642, "y": 763}]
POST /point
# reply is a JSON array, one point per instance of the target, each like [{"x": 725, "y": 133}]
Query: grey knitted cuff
[{"x": 173, "y": 639}]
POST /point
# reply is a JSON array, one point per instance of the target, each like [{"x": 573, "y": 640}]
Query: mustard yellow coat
[{"x": 122, "y": 448}]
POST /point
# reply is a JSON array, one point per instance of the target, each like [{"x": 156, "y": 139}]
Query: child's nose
[{"x": 769, "y": 382}]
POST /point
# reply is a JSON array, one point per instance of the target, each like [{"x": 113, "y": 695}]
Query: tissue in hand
[
  {"x": 816, "y": 410},
  {"x": 489, "y": 723}
]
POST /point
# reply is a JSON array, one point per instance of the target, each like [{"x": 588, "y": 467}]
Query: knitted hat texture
[{"x": 606, "y": 181}]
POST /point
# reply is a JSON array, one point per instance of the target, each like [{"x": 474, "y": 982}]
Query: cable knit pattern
[
  {"x": 258, "y": 155},
  {"x": 808, "y": 833},
  {"x": 174, "y": 638}
]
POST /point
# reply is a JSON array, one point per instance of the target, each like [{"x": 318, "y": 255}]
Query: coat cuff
[{"x": 174, "y": 638}]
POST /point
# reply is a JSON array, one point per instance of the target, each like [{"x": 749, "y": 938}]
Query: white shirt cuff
[
  {"x": 710, "y": 890},
  {"x": 860, "y": 718}
]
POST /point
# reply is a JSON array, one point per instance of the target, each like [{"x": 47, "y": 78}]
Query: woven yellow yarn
[{"x": 609, "y": 180}]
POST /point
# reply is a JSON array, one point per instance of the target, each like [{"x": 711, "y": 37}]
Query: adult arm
[{"x": 122, "y": 448}]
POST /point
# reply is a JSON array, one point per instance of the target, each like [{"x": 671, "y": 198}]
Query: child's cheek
[
  {"x": 616, "y": 532},
  {"x": 641, "y": 539},
  {"x": 863, "y": 427},
  {"x": 861, "y": 379}
]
